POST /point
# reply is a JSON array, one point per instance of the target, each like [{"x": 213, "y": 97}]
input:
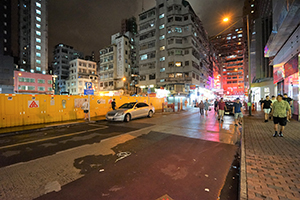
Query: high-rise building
[
  {"x": 33, "y": 35},
  {"x": 260, "y": 26},
  {"x": 173, "y": 50},
  {"x": 6, "y": 60},
  {"x": 81, "y": 72},
  {"x": 230, "y": 48},
  {"x": 129, "y": 25},
  {"x": 62, "y": 55}
]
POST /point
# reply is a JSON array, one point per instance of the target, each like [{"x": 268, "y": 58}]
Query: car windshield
[{"x": 127, "y": 105}]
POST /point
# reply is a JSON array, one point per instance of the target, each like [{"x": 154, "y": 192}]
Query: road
[{"x": 174, "y": 156}]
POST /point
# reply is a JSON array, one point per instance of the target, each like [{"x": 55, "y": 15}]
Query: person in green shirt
[{"x": 279, "y": 109}]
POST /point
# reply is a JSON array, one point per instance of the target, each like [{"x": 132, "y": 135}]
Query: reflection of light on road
[{"x": 212, "y": 137}]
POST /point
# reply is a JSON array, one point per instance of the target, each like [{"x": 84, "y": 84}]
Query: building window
[
  {"x": 161, "y": 16},
  {"x": 38, "y": 4},
  {"x": 38, "y": 12},
  {"x": 144, "y": 57},
  {"x": 187, "y": 63},
  {"x": 38, "y": 61},
  {"x": 50, "y": 89},
  {"x": 38, "y": 54},
  {"x": 31, "y": 88},
  {"x": 38, "y": 69},
  {"x": 41, "y": 88},
  {"x": 162, "y": 69},
  {"x": 41, "y": 80},
  {"x": 178, "y": 64},
  {"x": 162, "y": 37},
  {"x": 38, "y": 40},
  {"x": 162, "y": 59},
  {"x": 151, "y": 76},
  {"x": 38, "y": 47},
  {"x": 38, "y": 19},
  {"x": 38, "y": 25},
  {"x": 178, "y": 19},
  {"x": 161, "y": 26},
  {"x": 161, "y": 5},
  {"x": 162, "y": 48},
  {"x": 38, "y": 33},
  {"x": 178, "y": 41}
]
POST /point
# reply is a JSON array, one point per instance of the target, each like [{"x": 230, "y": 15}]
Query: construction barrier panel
[{"x": 24, "y": 109}]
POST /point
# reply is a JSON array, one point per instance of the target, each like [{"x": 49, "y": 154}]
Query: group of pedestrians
[
  {"x": 203, "y": 106},
  {"x": 279, "y": 109}
]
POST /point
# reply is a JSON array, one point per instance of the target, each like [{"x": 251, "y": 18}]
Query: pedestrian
[
  {"x": 113, "y": 104},
  {"x": 216, "y": 105},
  {"x": 206, "y": 105},
  {"x": 289, "y": 100},
  {"x": 85, "y": 108},
  {"x": 237, "y": 111},
  {"x": 273, "y": 99},
  {"x": 279, "y": 113},
  {"x": 222, "y": 107},
  {"x": 260, "y": 102},
  {"x": 201, "y": 107},
  {"x": 266, "y": 105}
]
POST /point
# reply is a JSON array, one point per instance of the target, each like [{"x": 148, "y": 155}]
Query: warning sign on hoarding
[{"x": 33, "y": 104}]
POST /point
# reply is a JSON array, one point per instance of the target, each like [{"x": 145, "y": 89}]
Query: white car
[{"x": 129, "y": 111}]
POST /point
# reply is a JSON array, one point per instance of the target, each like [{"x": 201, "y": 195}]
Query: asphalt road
[{"x": 179, "y": 156}]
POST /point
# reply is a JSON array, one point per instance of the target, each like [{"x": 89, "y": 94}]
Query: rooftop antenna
[{"x": 143, "y": 9}]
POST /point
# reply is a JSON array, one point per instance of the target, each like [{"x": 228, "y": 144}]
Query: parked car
[
  {"x": 129, "y": 111},
  {"x": 229, "y": 106}
]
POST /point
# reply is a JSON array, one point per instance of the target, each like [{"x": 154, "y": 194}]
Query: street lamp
[
  {"x": 19, "y": 74},
  {"x": 249, "y": 54}
]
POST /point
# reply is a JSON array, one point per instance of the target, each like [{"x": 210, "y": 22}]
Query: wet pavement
[{"x": 181, "y": 155}]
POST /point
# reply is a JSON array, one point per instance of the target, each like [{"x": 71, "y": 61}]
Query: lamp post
[
  {"x": 19, "y": 74},
  {"x": 55, "y": 83},
  {"x": 249, "y": 54}
]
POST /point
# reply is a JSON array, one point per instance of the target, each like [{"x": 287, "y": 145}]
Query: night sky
[{"x": 87, "y": 25}]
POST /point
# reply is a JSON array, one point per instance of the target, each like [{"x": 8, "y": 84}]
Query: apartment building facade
[
  {"x": 173, "y": 49},
  {"x": 81, "y": 72},
  {"x": 116, "y": 62},
  {"x": 62, "y": 55}
]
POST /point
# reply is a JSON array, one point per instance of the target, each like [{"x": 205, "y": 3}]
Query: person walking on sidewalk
[
  {"x": 206, "y": 105},
  {"x": 85, "y": 108},
  {"x": 266, "y": 105},
  {"x": 289, "y": 100},
  {"x": 222, "y": 107},
  {"x": 201, "y": 107},
  {"x": 237, "y": 111},
  {"x": 279, "y": 113},
  {"x": 273, "y": 99}
]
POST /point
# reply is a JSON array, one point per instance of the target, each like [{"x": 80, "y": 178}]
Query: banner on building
[{"x": 120, "y": 57}]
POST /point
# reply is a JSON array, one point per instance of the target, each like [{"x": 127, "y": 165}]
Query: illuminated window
[
  {"x": 228, "y": 38},
  {"x": 38, "y": 69},
  {"x": 38, "y": 33},
  {"x": 252, "y": 11},
  {"x": 162, "y": 59},
  {"x": 38, "y": 4},
  {"x": 38, "y": 47},
  {"x": 178, "y": 64},
  {"x": 161, "y": 16},
  {"x": 38, "y": 54},
  {"x": 252, "y": 5},
  {"x": 38, "y": 40},
  {"x": 38, "y": 19},
  {"x": 38, "y": 61},
  {"x": 162, "y": 48},
  {"x": 144, "y": 57},
  {"x": 162, "y": 37},
  {"x": 38, "y": 12},
  {"x": 162, "y": 26},
  {"x": 240, "y": 35},
  {"x": 162, "y": 69}
]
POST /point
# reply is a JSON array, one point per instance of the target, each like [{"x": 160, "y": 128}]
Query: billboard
[
  {"x": 291, "y": 67},
  {"x": 278, "y": 73}
]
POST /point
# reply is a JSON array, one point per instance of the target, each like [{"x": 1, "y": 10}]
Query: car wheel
[
  {"x": 127, "y": 118},
  {"x": 150, "y": 114}
]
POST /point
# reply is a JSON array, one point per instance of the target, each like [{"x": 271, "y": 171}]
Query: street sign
[
  {"x": 88, "y": 85},
  {"x": 33, "y": 104},
  {"x": 88, "y": 92}
]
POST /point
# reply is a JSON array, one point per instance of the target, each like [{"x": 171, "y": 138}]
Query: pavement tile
[{"x": 272, "y": 165}]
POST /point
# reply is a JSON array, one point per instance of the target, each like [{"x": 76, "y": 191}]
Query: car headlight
[{"x": 120, "y": 114}]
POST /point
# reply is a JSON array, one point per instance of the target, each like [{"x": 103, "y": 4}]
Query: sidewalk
[{"x": 270, "y": 167}]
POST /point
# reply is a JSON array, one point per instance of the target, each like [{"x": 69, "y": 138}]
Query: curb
[{"x": 243, "y": 171}]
